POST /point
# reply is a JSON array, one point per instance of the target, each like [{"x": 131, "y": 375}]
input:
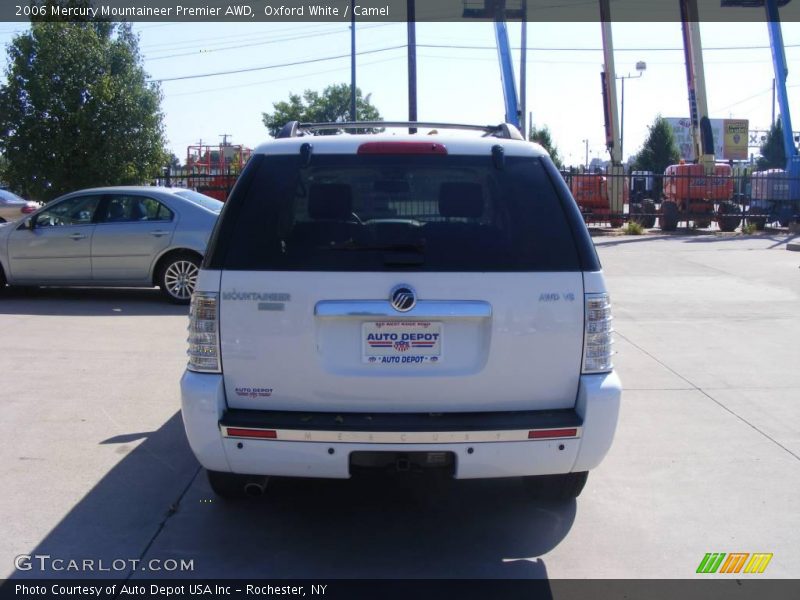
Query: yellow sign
[{"x": 734, "y": 145}]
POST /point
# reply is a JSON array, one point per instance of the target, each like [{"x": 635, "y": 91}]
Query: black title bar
[{"x": 729, "y": 588}]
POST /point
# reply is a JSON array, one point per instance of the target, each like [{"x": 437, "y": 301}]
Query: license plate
[{"x": 401, "y": 342}]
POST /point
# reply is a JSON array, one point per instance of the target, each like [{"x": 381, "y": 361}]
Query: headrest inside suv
[
  {"x": 461, "y": 200},
  {"x": 330, "y": 201}
]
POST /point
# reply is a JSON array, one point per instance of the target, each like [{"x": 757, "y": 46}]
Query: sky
[{"x": 455, "y": 84}]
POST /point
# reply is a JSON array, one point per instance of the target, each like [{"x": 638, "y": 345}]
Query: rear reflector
[
  {"x": 252, "y": 433},
  {"x": 402, "y": 148},
  {"x": 539, "y": 434}
]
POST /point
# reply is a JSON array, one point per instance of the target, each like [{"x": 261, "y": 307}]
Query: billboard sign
[
  {"x": 730, "y": 138},
  {"x": 734, "y": 144}
]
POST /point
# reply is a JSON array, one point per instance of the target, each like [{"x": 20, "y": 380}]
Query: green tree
[
  {"x": 773, "y": 154},
  {"x": 544, "y": 138},
  {"x": 658, "y": 152},
  {"x": 77, "y": 111},
  {"x": 332, "y": 105},
  {"x": 173, "y": 162}
]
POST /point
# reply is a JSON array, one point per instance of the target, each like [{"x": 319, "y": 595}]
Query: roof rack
[{"x": 297, "y": 129}]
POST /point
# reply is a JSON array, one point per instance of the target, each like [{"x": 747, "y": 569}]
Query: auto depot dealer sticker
[{"x": 401, "y": 342}]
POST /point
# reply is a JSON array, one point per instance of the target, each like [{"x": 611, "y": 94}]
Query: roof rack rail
[{"x": 297, "y": 129}]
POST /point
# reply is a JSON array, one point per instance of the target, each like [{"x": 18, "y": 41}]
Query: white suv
[{"x": 402, "y": 302}]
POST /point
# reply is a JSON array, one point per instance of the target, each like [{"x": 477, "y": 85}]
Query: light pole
[{"x": 641, "y": 66}]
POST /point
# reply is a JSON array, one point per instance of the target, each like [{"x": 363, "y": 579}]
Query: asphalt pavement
[{"x": 95, "y": 464}]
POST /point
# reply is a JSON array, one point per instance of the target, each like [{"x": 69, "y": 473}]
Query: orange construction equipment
[
  {"x": 212, "y": 170},
  {"x": 602, "y": 196},
  {"x": 691, "y": 194},
  {"x": 690, "y": 182},
  {"x": 591, "y": 193},
  {"x": 699, "y": 192}
]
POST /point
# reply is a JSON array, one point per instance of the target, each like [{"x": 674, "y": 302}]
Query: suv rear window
[{"x": 379, "y": 213}]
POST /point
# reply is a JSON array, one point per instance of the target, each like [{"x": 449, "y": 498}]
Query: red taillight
[
  {"x": 539, "y": 434},
  {"x": 402, "y": 148},
  {"x": 252, "y": 433},
  {"x": 26, "y": 210}
]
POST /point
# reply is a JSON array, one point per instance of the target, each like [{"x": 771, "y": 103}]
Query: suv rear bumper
[{"x": 501, "y": 445}]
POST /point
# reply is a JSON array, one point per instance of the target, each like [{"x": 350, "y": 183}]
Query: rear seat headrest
[
  {"x": 461, "y": 199},
  {"x": 333, "y": 201}
]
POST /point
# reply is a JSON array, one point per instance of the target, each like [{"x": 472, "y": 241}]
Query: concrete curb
[{"x": 794, "y": 246}]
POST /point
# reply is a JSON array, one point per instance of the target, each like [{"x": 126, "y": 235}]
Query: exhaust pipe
[{"x": 256, "y": 486}]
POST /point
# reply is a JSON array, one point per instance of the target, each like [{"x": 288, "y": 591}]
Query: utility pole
[
  {"x": 353, "y": 114},
  {"x": 412, "y": 63}
]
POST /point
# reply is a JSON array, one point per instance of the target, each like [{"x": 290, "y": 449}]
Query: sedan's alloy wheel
[{"x": 180, "y": 278}]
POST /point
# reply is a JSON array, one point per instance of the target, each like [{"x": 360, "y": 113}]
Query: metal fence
[
  {"x": 686, "y": 196},
  {"x": 683, "y": 196},
  {"x": 217, "y": 186}
]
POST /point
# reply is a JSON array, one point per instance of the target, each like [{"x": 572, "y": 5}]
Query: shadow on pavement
[
  {"x": 120, "y": 515},
  {"x": 156, "y": 504},
  {"x": 693, "y": 237},
  {"x": 87, "y": 302},
  {"x": 777, "y": 238},
  {"x": 370, "y": 528}
]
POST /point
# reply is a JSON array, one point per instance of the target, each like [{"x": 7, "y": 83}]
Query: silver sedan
[{"x": 113, "y": 236}]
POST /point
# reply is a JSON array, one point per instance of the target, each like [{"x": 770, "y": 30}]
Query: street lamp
[
  {"x": 586, "y": 162},
  {"x": 641, "y": 66}
]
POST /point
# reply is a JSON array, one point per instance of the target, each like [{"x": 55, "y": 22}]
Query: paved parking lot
[{"x": 95, "y": 464}]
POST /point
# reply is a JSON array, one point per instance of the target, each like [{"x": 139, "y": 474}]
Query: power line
[
  {"x": 178, "y": 45},
  {"x": 262, "y": 43},
  {"x": 756, "y": 95},
  {"x": 397, "y": 47},
  {"x": 207, "y": 50},
  {"x": 742, "y": 101},
  {"x": 239, "y": 36},
  {"x": 540, "y": 61},
  {"x": 576, "y": 49},
  {"x": 289, "y": 78},
  {"x": 265, "y": 67}
]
